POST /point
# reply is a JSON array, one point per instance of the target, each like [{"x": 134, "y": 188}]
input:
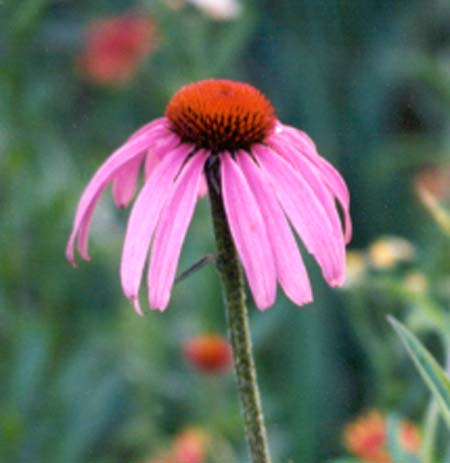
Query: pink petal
[
  {"x": 305, "y": 168},
  {"x": 203, "y": 187},
  {"x": 305, "y": 146},
  {"x": 171, "y": 230},
  {"x": 125, "y": 182},
  {"x": 306, "y": 214},
  {"x": 158, "y": 124},
  {"x": 289, "y": 264},
  {"x": 249, "y": 233},
  {"x": 107, "y": 171},
  {"x": 144, "y": 217},
  {"x": 158, "y": 150},
  {"x": 303, "y": 138}
]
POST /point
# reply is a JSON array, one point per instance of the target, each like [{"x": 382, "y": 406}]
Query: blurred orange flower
[
  {"x": 432, "y": 187},
  {"x": 209, "y": 353},
  {"x": 434, "y": 179},
  {"x": 409, "y": 437},
  {"x": 190, "y": 446},
  {"x": 115, "y": 47},
  {"x": 366, "y": 438}
]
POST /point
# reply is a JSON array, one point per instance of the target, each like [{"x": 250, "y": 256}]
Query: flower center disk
[{"x": 221, "y": 115}]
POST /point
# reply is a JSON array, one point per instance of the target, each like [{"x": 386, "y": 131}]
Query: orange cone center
[{"x": 221, "y": 115}]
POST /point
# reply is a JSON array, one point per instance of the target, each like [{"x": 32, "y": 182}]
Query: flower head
[
  {"x": 366, "y": 438},
  {"x": 209, "y": 353},
  {"x": 115, "y": 47},
  {"x": 270, "y": 177}
]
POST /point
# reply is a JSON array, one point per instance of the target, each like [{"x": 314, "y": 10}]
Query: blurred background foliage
[{"x": 86, "y": 380}]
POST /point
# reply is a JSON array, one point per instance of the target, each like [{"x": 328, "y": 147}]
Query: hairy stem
[{"x": 233, "y": 284}]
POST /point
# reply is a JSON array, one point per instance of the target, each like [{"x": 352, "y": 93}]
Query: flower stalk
[{"x": 237, "y": 316}]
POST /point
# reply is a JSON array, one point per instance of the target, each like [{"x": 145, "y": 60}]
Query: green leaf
[{"x": 433, "y": 375}]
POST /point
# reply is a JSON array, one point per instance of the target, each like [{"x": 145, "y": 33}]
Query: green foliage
[{"x": 434, "y": 376}]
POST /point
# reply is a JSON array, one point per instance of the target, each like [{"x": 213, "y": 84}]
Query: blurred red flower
[
  {"x": 115, "y": 47},
  {"x": 209, "y": 353},
  {"x": 188, "y": 446},
  {"x": 366, "y": 438}
]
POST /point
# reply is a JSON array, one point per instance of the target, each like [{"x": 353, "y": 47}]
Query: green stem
[{"x": 233, "y": 284}]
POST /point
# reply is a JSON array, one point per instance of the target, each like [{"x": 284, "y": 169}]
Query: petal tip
[
  {"x": 337, "y": 282},
  {"x": 263, "y": 306},
  {"x": 137, "y": 305},
  {"x": 72, "y": 261}
]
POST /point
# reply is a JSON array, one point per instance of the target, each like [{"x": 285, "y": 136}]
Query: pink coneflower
[
  {"x": 115, "y": 47},
  {"x": 270, "y": 177}
]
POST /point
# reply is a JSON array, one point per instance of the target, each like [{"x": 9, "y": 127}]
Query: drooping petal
[
  {"x": 249, "y": 233},
  {"x": 96, "y": 186},
  {"x": 171, "y": 230},
  {"x": 159, "y": 124},
  {"x": 303, "y": 138},
  {"x": 143, "y": 219},
  {"x": 158, "y": 150},
  {"x": 311, "y": 174},
  {"x": 306, "y": 147},
  {"x": 306, "y": 214},
  {"x": 289, "y": 265},
  {"x": 125, "y": 182}
]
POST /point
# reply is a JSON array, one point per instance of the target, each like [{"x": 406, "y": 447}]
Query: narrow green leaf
[{"x": 433, "y": 375}]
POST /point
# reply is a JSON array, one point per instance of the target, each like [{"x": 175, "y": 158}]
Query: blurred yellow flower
[
  {"x": 387, "y": 252},
  {"x": 416, "y": 282},
  {"x": 356, "y": 267},
  {"x": 175, "y": 5}
]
